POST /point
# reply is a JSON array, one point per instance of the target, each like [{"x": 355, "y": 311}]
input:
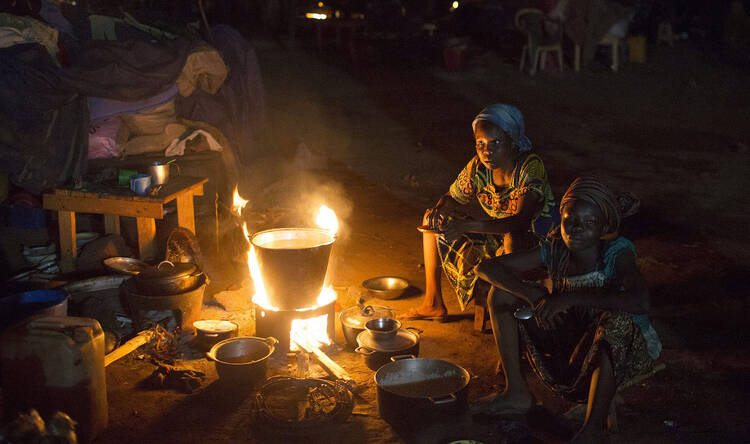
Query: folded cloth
[
  {"x": 204, "y": 69},
  {"x": 102, "y": 138},
  {"x": 177, "y": 147}
]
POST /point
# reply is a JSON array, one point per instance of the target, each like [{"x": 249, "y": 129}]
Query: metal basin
[
  {"x": 293, "y": 264},
  {"x": 411, "y": 391},
  {"x": 386, "y": 287}
]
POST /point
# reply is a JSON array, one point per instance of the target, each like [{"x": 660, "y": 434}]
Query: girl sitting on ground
[
  {"x": 510, "y": 183},
  {"x": 593, "y": 326}
]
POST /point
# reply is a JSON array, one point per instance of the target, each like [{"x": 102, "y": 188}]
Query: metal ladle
[{"x": 523, "y": 313}]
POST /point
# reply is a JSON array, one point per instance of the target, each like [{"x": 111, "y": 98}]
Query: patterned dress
[
  {"x": 565, "y": 358},
  {"x": 460, "y": 257}
]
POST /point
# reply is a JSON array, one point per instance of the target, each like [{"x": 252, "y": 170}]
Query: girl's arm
[
  {"x": 528, "y": 204},
  {"x": 631, "y": 295},
  {"x": 503, "y": 272}
]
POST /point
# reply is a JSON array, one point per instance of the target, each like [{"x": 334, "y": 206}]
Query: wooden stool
[{"x": 114, "y": 202}]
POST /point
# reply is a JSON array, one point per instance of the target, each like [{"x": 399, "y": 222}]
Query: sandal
[{"x": 413, "y": 314}]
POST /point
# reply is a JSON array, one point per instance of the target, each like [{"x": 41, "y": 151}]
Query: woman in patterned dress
[
  {"x": 510, "y": 183},
  {"x": 591, "y": 333}
]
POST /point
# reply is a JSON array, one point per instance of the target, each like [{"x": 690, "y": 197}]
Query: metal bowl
[
  {"x": 383, "y": 327},
  {"x": 386, "y": 287},
  {"x": 125, "y": 265}
]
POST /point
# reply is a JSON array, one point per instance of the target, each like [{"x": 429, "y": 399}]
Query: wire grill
[{"x": 300, "y": 406}]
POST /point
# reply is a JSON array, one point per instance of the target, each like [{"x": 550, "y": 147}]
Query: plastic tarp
[{"x": 44, "y": 117}]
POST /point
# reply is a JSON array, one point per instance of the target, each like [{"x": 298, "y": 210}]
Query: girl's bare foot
[{"x": 504, "y": 404}]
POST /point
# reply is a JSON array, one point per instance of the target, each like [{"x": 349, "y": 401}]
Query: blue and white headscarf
[{"x": 509, "y": 119}]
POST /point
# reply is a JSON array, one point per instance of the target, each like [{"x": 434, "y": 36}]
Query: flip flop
[{"x": 413, "y": 315}]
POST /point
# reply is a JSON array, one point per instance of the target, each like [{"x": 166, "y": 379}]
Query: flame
[
  {"x": 316, "y": 16},
  {"x": 260, "y": 297},
  {"x": 313, "y": 331},
  {"x": 238, "y": 204},
  {"x": 327, "y": 220}
]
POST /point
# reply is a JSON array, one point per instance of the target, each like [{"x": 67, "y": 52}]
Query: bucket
[
  {"x": 19, "y": 306},
  {"x": 293, "y": 264},
  {"x": 56, "y": 363},
  {"x": 637, "y": 49}
]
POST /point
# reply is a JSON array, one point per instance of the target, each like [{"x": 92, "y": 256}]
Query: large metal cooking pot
[
  {"x": 293, "y": 264},
  {"x": 420, "y": 389},
  {"x": 353, "y": 320},
  {"x": 242, "y": 361},
  {"x": 168, "y": 278},
  {"x": 378, "y": 350}
]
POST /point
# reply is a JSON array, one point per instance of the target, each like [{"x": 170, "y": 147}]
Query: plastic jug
[{"x": 56, "y": 363}]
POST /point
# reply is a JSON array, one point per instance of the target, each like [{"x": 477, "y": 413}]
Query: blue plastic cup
[{"x": 140, "y": 184}]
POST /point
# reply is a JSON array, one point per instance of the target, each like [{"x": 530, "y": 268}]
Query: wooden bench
[{"x": 113, "y": 201}]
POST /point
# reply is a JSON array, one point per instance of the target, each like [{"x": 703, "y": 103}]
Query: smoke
[{"x": 286, "y": 193}]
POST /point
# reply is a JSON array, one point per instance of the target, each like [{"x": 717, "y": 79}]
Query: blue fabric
[
  {"x": 100, "y": 107},
  {"x": 510, "y": 119},
  {"x": 611, "y": 251}
]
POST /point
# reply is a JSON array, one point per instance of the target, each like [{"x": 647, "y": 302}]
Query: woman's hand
[
  {"x": 438, "y": 216},
  {"x": 549, "y": 309}
]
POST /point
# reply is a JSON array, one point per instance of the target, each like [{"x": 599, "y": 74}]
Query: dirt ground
[{"x": 380, "y": 140}]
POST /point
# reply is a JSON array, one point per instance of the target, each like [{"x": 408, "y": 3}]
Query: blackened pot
[
  {"x": 420, "y": 390},
  {"x": 209, "y": 332},
  {"x": 175, "y": 279},
  {"x": 378, "y": 351},
  {"x": 242, "y": 361}
]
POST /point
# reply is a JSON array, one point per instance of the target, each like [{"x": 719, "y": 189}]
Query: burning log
[
  {"x": 326, "y": 362},
  {"x": 142, "y": 338}
]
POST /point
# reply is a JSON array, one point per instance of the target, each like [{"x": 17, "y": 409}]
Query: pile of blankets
[{"x": 64, "y": 99}]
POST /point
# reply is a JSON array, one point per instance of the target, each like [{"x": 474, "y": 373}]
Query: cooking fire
[{"x": 288, "y": 267}]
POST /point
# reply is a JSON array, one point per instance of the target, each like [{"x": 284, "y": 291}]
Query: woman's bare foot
[
  {"x": 504, "y": 404},
  {"x": 423, "y": 312}
]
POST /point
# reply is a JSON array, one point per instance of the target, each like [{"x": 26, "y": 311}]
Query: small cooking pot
[
  {"x": 353, "y": 320},
  {"x": 378, "y": 351},
  {"x": 242, "y": 361},
  {"x": 210, "y": 331},
  {"x": 413, "y": 390},
  {"x": 168, "y": 278}
]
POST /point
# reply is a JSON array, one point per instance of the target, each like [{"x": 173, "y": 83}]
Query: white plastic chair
[{"x": 546, "y": 44}]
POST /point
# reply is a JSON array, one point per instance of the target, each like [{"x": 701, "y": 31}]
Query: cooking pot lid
[
  {"x": 169, "y": 270},
  {"x": 357, "y": 317},
  {"x": 402, "y": 340},
  {"x": 214, "y": 326}
]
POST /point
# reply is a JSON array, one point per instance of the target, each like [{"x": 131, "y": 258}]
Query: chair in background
[
  {"x": 614, "y": 39},
  {"x": 539, "y": 41},
  {"x": 610, "y": 40}
]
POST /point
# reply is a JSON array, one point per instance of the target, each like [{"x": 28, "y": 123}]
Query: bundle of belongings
[{"x": 68, "y": 95}]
